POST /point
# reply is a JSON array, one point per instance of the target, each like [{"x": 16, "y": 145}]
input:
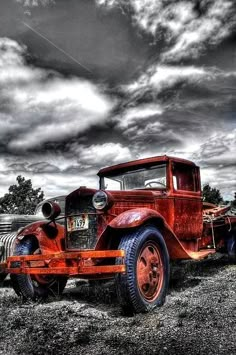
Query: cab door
[{"x": 188, "y": 223}]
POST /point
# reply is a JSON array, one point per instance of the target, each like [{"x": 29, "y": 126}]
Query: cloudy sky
[{"x": 89, "y": 83}]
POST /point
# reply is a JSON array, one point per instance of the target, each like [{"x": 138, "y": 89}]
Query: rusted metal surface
[
  {"x": 81, "y": 204},
  {"x": 50, "y": 238},
  {"x": 134, "y": 218},
  {"x": 69, "y": 270},
  {"x": 176, "y": 209},
  {"x": 188, "y": 217},
  {"x": 11, "y": 223},
  {"x": 67, "y": 263},
  {"x": 215, "y": 211},
  {"x": 141, "y": 162},
  {"x": 150, "y": 271}
]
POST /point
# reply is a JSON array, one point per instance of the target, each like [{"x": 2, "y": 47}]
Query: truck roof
[{"x": 142, "y": 162}]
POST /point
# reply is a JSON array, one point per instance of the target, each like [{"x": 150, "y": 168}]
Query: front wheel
[
  {"x": 144, "y": 285},
  {"x": 34, "y": 286}
]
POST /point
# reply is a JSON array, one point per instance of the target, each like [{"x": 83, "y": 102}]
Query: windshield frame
[{"x": 134, "y": 169}]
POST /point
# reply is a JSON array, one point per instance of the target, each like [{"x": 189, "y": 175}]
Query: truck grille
[
  {"x": 14, "y": 225},
  {"x": 5, "y": 228},
  {"x": 82, "y": 239},
  {"x": 7, "y": 241}
]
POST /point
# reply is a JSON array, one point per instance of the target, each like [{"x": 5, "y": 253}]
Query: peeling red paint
[{"x": 176, "y": 210}]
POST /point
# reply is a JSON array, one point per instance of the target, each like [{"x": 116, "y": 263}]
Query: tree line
[{"x": 22, "y": 198}]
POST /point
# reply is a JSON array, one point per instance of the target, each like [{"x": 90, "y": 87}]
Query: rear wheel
[
  {"x": 144, "y": 285},
  {"x": 34, "y": 286},
  {"x": 2, "y": 277},
  {"x": 231, "y": 247}
]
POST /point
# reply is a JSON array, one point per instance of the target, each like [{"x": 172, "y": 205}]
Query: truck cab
[{"x": 173, "y": 184}]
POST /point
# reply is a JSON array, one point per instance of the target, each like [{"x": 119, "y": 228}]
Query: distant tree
[
  {"x": 212, "y": 195},
  {"x": 21, "y": 198}
]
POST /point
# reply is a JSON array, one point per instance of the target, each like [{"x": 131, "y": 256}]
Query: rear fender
[
  {"x": 50, "y": 236},
  {"x": 135, "y": 218}
]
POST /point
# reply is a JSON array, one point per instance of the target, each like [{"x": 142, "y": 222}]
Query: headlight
[
  {"x": 51, "y": 210},
  {"x": 100, "y": 200}
]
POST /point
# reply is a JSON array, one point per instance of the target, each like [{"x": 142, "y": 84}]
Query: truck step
[{"x": 198, "y": 255}]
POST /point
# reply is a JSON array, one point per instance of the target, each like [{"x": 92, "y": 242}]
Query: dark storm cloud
[
  {"x": 103, "y": 42},
  {"x": 200, "y": 106},
  {"x": 202, "y": 99},
  {"x": 160, "y": 84},
  {"x": 188, "y": 27}
]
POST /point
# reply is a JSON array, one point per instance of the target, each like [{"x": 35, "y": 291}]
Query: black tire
[
  {"x": 231, "y": 248},
  {"x": 35, "y": 287},
  {"x": 134, "y": 293},
  {"x": 2, "y": 277}
]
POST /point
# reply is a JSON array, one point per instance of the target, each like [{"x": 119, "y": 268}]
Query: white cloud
[
  {"x": 52, "y": 172},
  {"x": 219, "y": 149},
  {"x": 221, "y": 179},
  {"x": 59, "y": 174},
  {"x": 43, "y": 109},
  {"x": 102, "y": 154},
  {"x": 161, "y": 77},
  {"x": 35, "y": 3},
  {"x": 53, "y": 184},
  {"x": 215, "y": 155},
  {"x": 167, "y": 76},
  {"x": 217, "y": 159},
  {"x": 138, "y": 115},
  {"x": 63, "y": 184}
]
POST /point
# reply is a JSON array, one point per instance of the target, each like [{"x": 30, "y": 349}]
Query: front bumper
[{"x": 76, "y": 263}]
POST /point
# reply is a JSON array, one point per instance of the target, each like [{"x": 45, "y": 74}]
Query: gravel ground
[{"x": 199, "y": 317}]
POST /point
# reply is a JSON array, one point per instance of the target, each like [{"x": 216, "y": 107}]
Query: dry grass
[{"x": 199, "y": 317}]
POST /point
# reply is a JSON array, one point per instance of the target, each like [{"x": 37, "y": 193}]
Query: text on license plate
[{"x": 77, "y": 223}]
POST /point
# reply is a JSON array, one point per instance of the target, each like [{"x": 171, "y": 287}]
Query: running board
[{"x": 198, "y": 255}]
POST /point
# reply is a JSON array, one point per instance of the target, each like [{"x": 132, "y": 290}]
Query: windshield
[{"x": 145, "y": 178}]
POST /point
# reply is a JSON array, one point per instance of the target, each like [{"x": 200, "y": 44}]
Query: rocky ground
[{"x": 199, "y": 317}]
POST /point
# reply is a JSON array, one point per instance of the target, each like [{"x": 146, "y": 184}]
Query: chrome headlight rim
[
  {"x": 100, "y": 200},
  {"x": 51, "y": 210}
]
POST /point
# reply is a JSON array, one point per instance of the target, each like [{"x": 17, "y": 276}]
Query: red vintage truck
[{"x": 145, "y": 213}]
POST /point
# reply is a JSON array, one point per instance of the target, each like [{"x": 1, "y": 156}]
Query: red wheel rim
[
  {"x": 39, "y": 278},
  {"x": 150, "y": 272}
]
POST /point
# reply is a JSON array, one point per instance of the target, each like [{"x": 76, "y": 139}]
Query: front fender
[
  {"x": 135, "y": 218},
  {"x": 49, "y": 236}
]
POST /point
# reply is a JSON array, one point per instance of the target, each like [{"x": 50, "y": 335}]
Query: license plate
[{"x": 77, "y": 223}]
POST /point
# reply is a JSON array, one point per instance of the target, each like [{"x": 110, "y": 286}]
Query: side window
[{"x": 184, "y": 177}]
